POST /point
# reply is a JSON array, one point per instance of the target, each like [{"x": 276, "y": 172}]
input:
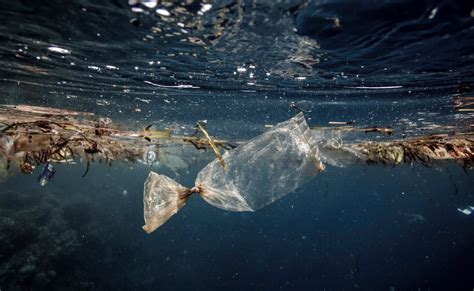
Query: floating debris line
[
  {"x": 246, "y": 177},
  {"x": 31, "y": 136}
]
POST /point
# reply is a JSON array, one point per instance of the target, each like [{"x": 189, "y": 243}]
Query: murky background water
[{"x": 240, "y": 65}]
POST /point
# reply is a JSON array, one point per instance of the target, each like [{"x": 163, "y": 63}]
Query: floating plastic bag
[
  {"x": 258, "y": 173},
  {"x": 162, "y": 198}
]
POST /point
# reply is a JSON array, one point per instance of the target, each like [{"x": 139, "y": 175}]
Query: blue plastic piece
[{"x": 47, "y": 174}]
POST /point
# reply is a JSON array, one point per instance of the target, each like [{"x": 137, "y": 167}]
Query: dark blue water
[{"x": 240, "y": 65}]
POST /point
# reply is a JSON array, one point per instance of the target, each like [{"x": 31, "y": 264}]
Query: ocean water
[{"x": 242, "y": 65}]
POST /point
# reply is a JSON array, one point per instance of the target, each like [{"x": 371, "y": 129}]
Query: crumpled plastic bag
[
  {"x": 162, "y": 198},
  {"x": 259, "y": 172}
]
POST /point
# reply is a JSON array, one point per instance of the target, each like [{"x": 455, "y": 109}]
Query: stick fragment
[{"x": 213, "y": 146}]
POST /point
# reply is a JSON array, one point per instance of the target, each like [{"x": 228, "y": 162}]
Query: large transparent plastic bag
[{"x": 259, "y": 172}]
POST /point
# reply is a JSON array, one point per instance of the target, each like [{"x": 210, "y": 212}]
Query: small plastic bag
[
  {"x": 259, "y": 172},
  {"x": 162, "y": 198}
]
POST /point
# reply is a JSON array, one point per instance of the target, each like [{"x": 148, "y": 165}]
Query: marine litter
[{"x": 244, "y": 176}]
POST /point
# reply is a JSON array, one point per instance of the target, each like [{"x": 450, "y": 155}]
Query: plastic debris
[
  {"x": 151, "y": 157},
  {"x": 47, "y": 174},
  {"x": 468, "y": 210},
  {"x": 286, "y": 157}
]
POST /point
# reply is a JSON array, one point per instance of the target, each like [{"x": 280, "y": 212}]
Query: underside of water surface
[{"x": 365, "y": 73}]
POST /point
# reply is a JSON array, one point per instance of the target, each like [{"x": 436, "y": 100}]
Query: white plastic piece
[{"x": 468, "y": 210}]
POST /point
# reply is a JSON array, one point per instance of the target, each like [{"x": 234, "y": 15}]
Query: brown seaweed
[{"x": 31, "y": 136}]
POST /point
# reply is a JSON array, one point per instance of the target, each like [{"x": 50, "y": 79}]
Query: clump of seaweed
[
  {"x": 431, "y": 149},
  {"x": 31, "y": 136},
  {"x": 425, "y": 150}
]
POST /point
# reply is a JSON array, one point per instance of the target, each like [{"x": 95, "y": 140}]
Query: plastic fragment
[
  {"x": 47, "y": 174},
  {"x": 151, "y": 157},
  {"x": 468, "y": 210}
]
